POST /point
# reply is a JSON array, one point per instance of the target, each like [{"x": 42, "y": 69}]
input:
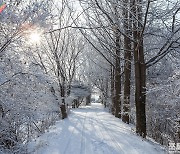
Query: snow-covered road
[{"x": 91, "y": 130}]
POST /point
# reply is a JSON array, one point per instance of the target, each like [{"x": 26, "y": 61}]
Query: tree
[
  {"x": 127, "y": 59},
  {"x": 140, "y": 68},
  {"x": 62, "y": 47}
]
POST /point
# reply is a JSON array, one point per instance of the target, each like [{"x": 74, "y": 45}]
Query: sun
[{"x": 34, "y": 37}]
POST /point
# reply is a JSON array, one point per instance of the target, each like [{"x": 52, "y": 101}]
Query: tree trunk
[
  {"x": 140, "y": 72},
  {"x": 1, "y": 111},
  {"x": 63, "y": 105},
  {"x": 63, "y": 111},
  {"x": 105, "y": 93},
  {"x": 112, "y": 91},
  {"x": 117, "y": 77},
  {"x": 127, "y": 65},
  {"x": 140, "y": 91},
  {"x": 88, "y": 99}
]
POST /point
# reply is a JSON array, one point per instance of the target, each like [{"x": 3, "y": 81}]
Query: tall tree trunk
[
  {"x": 140, "y": 91},
  {"x": 140, "y": 72},
  {"x": 117, "y": 76},
  {"x": 105, "y": 93},
  {"x": 63, "y": 105},
  {"x": 127, "y": 65},
  {"x": 112, "y": 91}
]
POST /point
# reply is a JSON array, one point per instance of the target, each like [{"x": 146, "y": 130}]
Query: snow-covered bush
[
  {"x": 79, "y": 92},
  {"x": 26, "y": 101},
  {"x": 163, "y": 112}
]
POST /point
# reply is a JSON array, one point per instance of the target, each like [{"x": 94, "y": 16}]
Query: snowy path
[{"x": 91, "y": 130}]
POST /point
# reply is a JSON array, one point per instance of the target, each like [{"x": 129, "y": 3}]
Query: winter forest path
[{"x": 91, "y": 130}]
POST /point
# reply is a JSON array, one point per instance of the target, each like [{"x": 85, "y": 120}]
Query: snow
[{"x": 92, "y": 130}]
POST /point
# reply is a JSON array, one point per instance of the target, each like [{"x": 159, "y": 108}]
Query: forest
[{"x": 53, "y": 54}]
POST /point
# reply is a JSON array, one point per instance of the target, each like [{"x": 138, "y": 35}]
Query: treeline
[{"x": 138, "y": 47}]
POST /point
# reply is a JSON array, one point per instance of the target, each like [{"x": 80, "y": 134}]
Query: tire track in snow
[
  {"x": 70, "y": 136},
  {"x": 83, "y": 139},
  {"x": 105, "y": 138},
  {"x": 99, "y": 134},
  {"x": 69, "y": 139},
  {"x": 111, "y": 137}
]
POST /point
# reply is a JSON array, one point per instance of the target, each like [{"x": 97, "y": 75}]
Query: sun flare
[{"x": 34, "y": 37}]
